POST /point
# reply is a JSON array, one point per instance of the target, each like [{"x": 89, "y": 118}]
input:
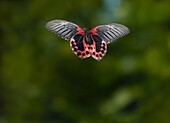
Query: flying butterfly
[{"x": 88, "y": 42}]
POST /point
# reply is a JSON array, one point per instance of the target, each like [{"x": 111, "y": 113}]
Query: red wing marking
[{"x": 93, "y": 31}]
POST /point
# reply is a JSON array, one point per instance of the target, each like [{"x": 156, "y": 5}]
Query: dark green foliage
[{"x": 42, "y": 81}]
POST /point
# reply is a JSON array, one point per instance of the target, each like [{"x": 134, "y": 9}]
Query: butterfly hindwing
[
  {"x": 79, "y": 46},
  {"x": 100, "y": 47}
]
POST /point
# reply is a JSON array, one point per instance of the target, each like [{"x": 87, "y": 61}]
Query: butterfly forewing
[
  {"x": 64, "y": 29},
  {"x": 110, "y": 32}
]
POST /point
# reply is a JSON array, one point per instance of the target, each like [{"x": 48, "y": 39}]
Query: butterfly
[{"x": 87, "y": 42}]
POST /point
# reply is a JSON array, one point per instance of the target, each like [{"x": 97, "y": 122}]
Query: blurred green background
[{"x": 42, "y": 81}]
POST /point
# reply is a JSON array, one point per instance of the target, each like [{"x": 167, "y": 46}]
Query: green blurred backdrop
[{"x": 42, "y": 81}]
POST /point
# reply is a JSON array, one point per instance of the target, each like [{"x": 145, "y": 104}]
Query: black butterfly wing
[
  {"x": 73, "y": 33},
  {"x": 64, "y": 29},
  {"x": 104, "y": 34},
  {"x": 110, "y": 32}
]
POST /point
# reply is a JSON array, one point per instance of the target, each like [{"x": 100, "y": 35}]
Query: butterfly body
[
  {"x": 87, "y": 36},
  {"x": 87, "y": 42}
]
